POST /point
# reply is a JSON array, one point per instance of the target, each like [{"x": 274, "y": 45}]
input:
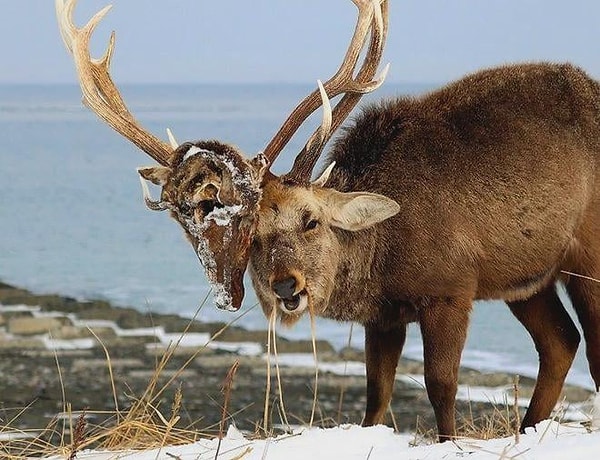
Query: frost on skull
[
  {"x": 222, "y": 236},
  {"x": 221, "y": 217},
  {"x": 213, "y": 191}
]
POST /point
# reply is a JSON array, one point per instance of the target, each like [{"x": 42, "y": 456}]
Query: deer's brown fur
[{"x": 495, "y": 177}]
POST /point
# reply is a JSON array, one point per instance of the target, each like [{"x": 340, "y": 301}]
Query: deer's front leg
[
  {"x": 444, "y": 324},
  {"x": 382, "y": 351}
]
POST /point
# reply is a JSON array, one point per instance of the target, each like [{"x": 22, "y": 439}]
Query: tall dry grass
[
  {"x": 148, "y": 424},
  {"x": 143, "y": 425}
]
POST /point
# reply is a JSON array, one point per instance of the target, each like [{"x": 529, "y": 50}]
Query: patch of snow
[
  {"x": 18, "y": 308},
  {"x": 189, "y": 339},
  {"x": 548, "y": 441},
  {"x": 494, "y": 395},
  {"x": 220, "y": 290},
  {"x": 596, "y": 411},
  {"x": 9, "y": 436},
  {"x": 51, "y": 343},
  {"x": 222, "y": 216},
  {"x": 576, "y": 412},
  {"x": 417, "y": 380},
  {"x": 193, "y": 150},
  {"x": 222, "y": 296},
  {"x": 206, "y": 256},
  {"x": 47, "y": 314}
]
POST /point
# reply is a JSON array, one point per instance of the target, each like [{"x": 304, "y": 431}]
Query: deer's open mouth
[{"x": 295, "y": 304}]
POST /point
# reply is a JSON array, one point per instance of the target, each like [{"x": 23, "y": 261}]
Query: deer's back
[{"x": 493, "y": 174}]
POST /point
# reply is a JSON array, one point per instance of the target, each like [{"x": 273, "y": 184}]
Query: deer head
[
  {"x": 213, "y": 192},
  {"x": 210, "y": 187}
]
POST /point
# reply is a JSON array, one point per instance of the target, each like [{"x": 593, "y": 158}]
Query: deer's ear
[
  {"x": 359, "y": 210},
  {"x": 158, "y": 175}
]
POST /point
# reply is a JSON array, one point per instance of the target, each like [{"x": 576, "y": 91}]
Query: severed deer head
[{"x": 211, "y": 188}]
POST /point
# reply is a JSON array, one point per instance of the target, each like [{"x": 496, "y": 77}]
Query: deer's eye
[{"x": 311, "y": 224}]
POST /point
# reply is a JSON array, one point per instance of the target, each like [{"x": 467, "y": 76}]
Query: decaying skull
[{"x": 213, "y": 192}]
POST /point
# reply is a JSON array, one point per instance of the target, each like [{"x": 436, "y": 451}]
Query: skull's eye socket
[
  {"x": 208, "y": 206},
  {"x": 185, "y": 209}
]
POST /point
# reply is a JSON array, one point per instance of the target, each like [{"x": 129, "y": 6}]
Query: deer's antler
[
  {"x": 99, "y": 91},
  {"x": 372, "y": 20}
]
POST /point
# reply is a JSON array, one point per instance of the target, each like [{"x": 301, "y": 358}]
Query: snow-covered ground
[{"x": 548, "y": 441}]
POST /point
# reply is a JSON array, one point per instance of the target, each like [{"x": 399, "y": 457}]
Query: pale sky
[{"x": 200, "y": 41}]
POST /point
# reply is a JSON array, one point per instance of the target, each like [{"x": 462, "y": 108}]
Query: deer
[{"x": 482, "y": 189}]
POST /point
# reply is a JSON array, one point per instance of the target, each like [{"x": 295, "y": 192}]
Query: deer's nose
[{"x": 285, "y": 288}]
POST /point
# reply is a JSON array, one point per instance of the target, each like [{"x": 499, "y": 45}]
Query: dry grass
[
  {"x": 500, "y": 423},
  {"x": 497, "y": 424},
  {"x": 148, "y": 424},
  {"x": 267, "y": 428},
  {"x": 503, "y": 421},
  {"x": 144, "y": 425}
]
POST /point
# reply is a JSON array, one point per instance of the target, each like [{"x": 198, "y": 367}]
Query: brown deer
[{"x": 484, "y": 189}]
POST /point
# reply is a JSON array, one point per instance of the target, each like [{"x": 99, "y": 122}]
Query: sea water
[{"x": 72, "y": 219}]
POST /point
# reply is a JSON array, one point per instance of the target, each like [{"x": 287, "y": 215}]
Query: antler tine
[
  {"x": 363, "y": 83},
  {"x": 319, "y": 137},
  {"x": 372, "y": 17},
  {"x": 99, "y": 91}
]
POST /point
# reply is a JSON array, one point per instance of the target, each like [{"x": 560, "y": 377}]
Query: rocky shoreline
[{"x": 53, "y": 350}]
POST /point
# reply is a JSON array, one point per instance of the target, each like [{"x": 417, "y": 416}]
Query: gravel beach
[{"x": 49, "y": 358}]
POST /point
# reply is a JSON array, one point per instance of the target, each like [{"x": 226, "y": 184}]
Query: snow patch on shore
[{"x": 549, "y": 441}]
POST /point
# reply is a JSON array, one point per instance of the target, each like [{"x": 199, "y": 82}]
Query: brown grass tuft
[{"x": 503, "y": 421}]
